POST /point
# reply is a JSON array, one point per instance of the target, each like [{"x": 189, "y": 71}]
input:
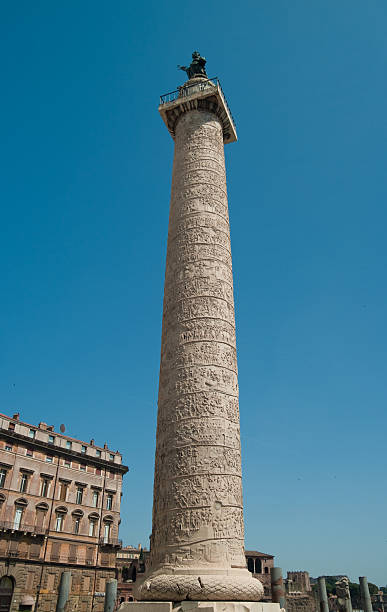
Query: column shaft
[{"x": 197, "y": 509}]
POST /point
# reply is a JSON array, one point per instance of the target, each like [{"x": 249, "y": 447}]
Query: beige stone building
[
  {"x": 299, "y": 594},
  {"x": 59, "y": 510},
  {"x": 259, "y": 564},
  {"x": 130, "y": 561}
]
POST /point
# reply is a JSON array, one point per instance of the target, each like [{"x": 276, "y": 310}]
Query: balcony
[
  {"x": 111, "y": 542},
  {"x": 22, "y": 528},
  {"x": 206, "y": 94}
]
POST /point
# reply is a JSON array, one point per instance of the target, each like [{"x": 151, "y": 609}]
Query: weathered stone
[{"x": 197, "y": 542}]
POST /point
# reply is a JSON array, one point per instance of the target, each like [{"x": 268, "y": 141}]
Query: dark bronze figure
[{"x": 197, "y": 66}]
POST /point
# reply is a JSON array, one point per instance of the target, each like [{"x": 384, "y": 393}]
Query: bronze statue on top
[{"x": 197, "y": 66}]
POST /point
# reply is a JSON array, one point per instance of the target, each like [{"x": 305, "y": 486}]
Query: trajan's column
[{"x": 197, "y": 542}]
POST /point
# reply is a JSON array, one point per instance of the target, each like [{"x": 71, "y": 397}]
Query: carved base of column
[
  {"x": 199, "y": 606},
  {"x": 237, "y": 585}
]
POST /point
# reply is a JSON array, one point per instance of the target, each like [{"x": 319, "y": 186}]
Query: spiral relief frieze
[{"x": 198, "y": 510}]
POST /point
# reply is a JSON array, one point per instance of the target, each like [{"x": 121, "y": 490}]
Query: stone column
[
  {"x": 110, "y": 595},
  {"x": 64, "y": 590},
  {"x": 323, "y": 596},
  {"x": 365, "y": 594},
  {"x": 197, "y": 542},
  {"x": 277, "y": 586}
]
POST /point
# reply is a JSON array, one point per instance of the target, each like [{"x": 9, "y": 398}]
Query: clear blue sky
[{"x": 85, "y": 182}]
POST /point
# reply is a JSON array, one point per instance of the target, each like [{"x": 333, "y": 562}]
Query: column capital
[{"x": 198, "y": 94}]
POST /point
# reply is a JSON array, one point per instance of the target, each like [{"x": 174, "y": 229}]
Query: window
[
  {"x": 97, "y": 453},
  {"x": 109, "y": 501},
  {"x": 67, "y": 463},
  {"x": 8, "y": 447},
  {"x": 59, "y": 522},
  {"x": 83, "y": 449},
  {"x": 51, "y": 439},
  {"x": 41, "y": 510},
  {"x": 79, "y": 495},
  {"x": 44, "y": 487},
  {"x": 18, "y": 517},
  {"x": 63, "y": 491},
  {"x": 82, "y": 467},
  {"x": 92, "y": 527},
  {"x": 29, "y": 453},
  {"x": 77, "y": 524},
  {"x": 106, "y": 532},
  {"x": 31, "y": 433},
  {"x": 95, "y": 498},
  {"x": 49, "y": 458},
  {"x": 97, "y": 471},
  {"x": 23, "y": 483},
  {"x": 111, "y": 457},
  {"x": 3, "y": 476},
  {"x": 68, "y": 444},
  {"x": 11, "y": 427}
]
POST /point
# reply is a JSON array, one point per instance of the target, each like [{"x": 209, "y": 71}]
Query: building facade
[
  {"x": 259, "y": 564},
  {"x": 59, "y": 510},
  {"x": 300, "y": 596},
  {"x": 130, "y": 562}
]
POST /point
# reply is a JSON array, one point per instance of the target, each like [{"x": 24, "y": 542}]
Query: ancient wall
[{"x": 28, "y": 576}]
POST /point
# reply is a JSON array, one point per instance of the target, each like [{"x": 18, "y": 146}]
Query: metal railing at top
[
  {"x": 22, "y": 527},
  {"x": 187, "y": 90}
]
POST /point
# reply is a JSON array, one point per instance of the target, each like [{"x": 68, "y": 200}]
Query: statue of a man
[{"x": 197, "y": 66}]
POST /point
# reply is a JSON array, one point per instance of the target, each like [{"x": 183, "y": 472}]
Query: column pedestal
[{"x": 199, "y": 606}]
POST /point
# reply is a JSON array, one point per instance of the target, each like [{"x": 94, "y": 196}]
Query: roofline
[
  {"x": 52, "y": 431},
  {"x": 64, "y": 452},
  {"x": 255, "y": 553}
]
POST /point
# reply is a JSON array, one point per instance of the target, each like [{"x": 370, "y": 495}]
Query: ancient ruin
[{"x": 197, "y": 542}]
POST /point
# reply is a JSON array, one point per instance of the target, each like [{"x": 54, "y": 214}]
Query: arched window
[
  {"x": 6, "y": 592},
  {"x": 250, "y": 565},
  {"x": 93, "y": 524},
  {"x": 41, "y": 511},
  {"x": 77, "y": 518},
  {"x": 20, "y": 506},
  {"x": 107, "y": 528},
  {"x": 266, "y": 570},
  {"x": 60, "y": 513},
  {"x": 258, "y": 566}
]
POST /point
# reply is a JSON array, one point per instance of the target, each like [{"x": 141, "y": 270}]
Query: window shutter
[
  {"x": 35, "y": 551},
  {"x": 73, "y": 553},
  {"x": 55, "y": 548}
]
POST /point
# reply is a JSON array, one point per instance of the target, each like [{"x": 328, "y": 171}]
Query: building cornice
[{"x": 52, "y": 449}]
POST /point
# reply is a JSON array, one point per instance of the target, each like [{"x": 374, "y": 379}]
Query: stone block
[
  {"x": 199, "y": 606},
  {"x": 146, "y": 606},
  {"x": 228, "y": 606}
]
